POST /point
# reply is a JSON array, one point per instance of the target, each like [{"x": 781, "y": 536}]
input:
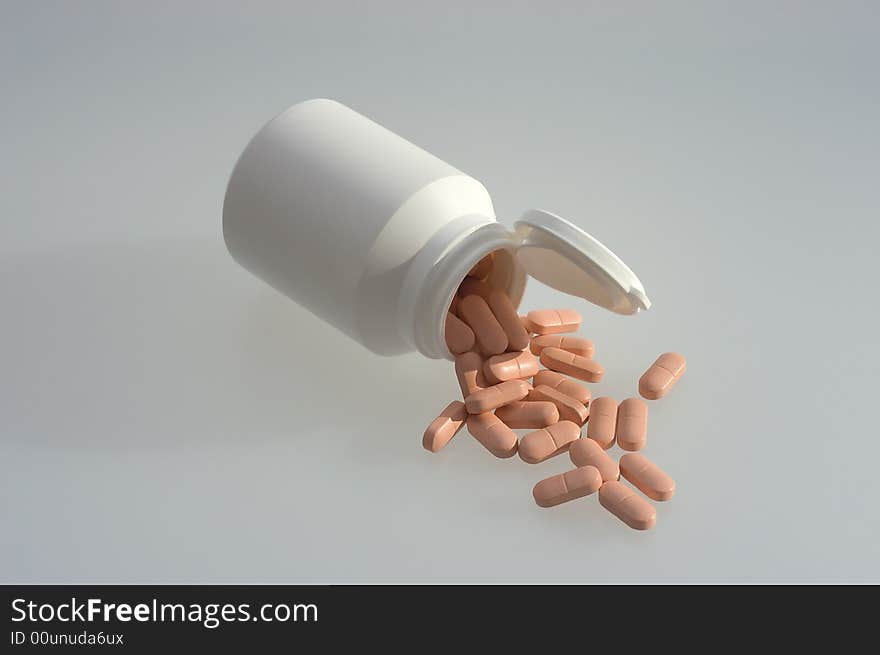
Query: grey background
[{"x": 166, "y": 417}]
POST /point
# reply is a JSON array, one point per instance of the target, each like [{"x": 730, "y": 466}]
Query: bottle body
[{"x": 362, "y": 228}]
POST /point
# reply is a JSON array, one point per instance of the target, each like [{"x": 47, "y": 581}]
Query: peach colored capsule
[
  {"x": 553, "y": 321},
  {"x": 586, "y": 452},
  {"x": 469, "y": 370},
  {"x": 547, "y": 442},
  {"x": 496, "y": 437},
  {"x": 561, "y": 361},
  {"x": 603, "y": 421},
  {"x": 627, "y": 505},
  {"x": 489, "y": 334},
  {"x": 482, "y": 268},
  {"x": 662, "y": 375},
  {"x": 569, "y": 408},
  {"x": 473, "y": 287},
  {"x": 453, "y": 306},
  {"x": 525, "y": 414},
  {"x": 444, "y": 427},
  {"x": 561, "y": 488},
  {"x": 459, "y": 337},
  {"x": 576, "y": 345},
  {"x": 508, "y": 319},
  {"x": 511, "y": 366},
  {"x": 632, "y": 424},
  {"x": 646, "y": 476},
  {"x": 485, "y": 400},
  {"x": 561, "y": 383}
]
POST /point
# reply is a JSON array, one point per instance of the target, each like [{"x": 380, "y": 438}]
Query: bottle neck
[{"x": 440, "y": 267}]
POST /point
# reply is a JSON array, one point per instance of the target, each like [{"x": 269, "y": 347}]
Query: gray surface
[{"x": 165, "y": 417}]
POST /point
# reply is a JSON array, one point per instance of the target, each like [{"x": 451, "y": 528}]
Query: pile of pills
[{"x": 497, "y": 351}]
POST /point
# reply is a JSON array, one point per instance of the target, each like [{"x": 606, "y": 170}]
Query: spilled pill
[
  {"x": 552, "y": 321},
  {"x": 508, "y": 319},
  {"x": 561, "y": 361},
  {"x": 485, "y": 400},
  {"x": 632, "y": 424},
  {"x": 445, "y": 426},
  {"x": 511, "y": 366},
  {"x": 459, "y": 337},
  {"x": 529, "y": 415},
  {"x": 646, "y": 476},
  {"x": 561, "y": 383},
  {"x": 489, "y": 334},
  {"x": 576, "y": 345},
  {"x": 469, "y": 370},
  {"x": 561, "y": 488},
  {"x": 495, "y": 437},
  {"x": 661, "y": 376},
  {"x": 586, "y": 452},
  {"x": 627, "y": 505},
  {"x": 603, "y": 421},
  {"x": 547, "y": 442},
  {"x": 569, "y": 408}
]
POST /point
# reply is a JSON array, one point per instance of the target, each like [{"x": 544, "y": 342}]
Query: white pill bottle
[{"x": 373, "y": 235}]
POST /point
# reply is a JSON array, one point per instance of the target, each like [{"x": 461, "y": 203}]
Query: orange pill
[
  {"x": 489, "y": 334},
  {"x": 511, "y": 366},
  {"x": 561, "y": 361},
  {"x": 569, "y": 408},
  {"x": 469, "y": 370},
  {"x": 646, "y": 476},
  {"x": 567, "y": 486},
  {"x": 549, "y": 441},
  {"x": 561, "y": 383},
  {"x": 576, "y": 345},
  {"x": 553, "y": 321},
  {"x": 483, "y": 267},
  {"x": 508, "y": 319},
  {"x": 627, "y": 505},
  {"x": 525, "y": 414},
  {"x": 603, "y": 421},
  {"x": 632, "y": 424},
  {"x": 586, "y": 452},
  {"x": 496, "y": 437},
  {"x": 444, "y": 427},
  {"x": 473, "y": 287},
  {"x": 662, "y": 375},
  {"x": 485, "y": 400},
  {"x": 459, "y": 337}
]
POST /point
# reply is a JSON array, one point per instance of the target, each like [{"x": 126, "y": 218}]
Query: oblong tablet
[
  {"x": 567, "y": 486},
  {"x": 459, "y": 337},
  {"x": 564, "y": 384},
  {"x": 445, "y": 426},
  {"x": 511, "y": 366},
  {"x": 647, "y": 477},
  {"x": 496, "y": 437},
  {"x": 662, "y": 375},
  {"x": 576, "y": 345},
  {"x": 553, "y": 321},
  {"x": 505, "y": 314},
  {"x": 586, "y": 452},
  {"x": 603, "y": 421},
  {"x": 561, "y": 361},
  {"x": 485, "y": 400},
  {"x": 569, "y": 408},
  {"x": 483, "y": 267},
  {"x": 471, "y": 286},
  {"x": 528, "y": 415},
  {"x": 469, "y": 370},
  {"x": 632, "y": 424},
  {"x": 627, "y": 505},
  {"x": 489, "y": 334},
  {"x": 548, "y": 442}
]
